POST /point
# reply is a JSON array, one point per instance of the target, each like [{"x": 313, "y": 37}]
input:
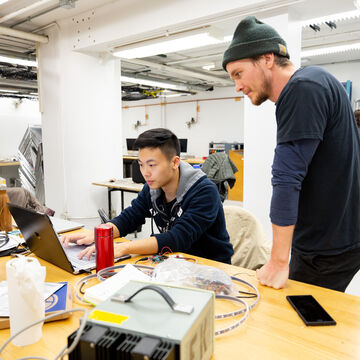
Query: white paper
[
  {"x": 49, "y": 289},
  {"x": 100, "y": 292},
  {"x": 13, "y": 242}
]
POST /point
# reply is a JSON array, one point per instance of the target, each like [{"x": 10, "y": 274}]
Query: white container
[{"x": 25, "y": 279}]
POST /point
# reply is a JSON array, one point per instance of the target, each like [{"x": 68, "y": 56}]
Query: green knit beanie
[{"x": 252, "y": 38}]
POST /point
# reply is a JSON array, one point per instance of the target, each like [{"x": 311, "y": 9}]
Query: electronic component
[{"x": 136, "y": 323}]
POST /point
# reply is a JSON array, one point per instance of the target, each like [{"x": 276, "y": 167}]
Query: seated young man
[{"x": 182, "y": 202}]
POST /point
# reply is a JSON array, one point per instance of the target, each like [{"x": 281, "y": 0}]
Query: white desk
[{"x": 124, "y": 185}]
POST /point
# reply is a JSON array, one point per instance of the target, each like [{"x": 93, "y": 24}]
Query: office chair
[
  {"x": 136, "y": 173},
  {"x": 104, "y": 218}
]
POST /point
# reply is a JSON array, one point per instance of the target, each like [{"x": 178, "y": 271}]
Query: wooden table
[
  {"x": 272, "y": 331},
  {"x": 124, "y": 185}
]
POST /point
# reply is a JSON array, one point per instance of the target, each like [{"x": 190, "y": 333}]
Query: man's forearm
[
  {"x": 116, "y": 232},
  {"x": 143, "y": 246},
  {"x": 282, "y": 239},
  {"x": 275, "y": 272}
]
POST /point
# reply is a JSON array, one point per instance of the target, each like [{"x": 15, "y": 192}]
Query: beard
[{"x": 264, "y": 94}]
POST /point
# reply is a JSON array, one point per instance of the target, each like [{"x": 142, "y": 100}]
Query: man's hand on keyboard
[
  {"x": 86, "y": 253},
  {"x": 80, "y": 238},
  {"x": 120, "y": 249}
]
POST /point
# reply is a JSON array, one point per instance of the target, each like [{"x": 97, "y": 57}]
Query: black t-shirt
[{"x": 314, "y": 105}]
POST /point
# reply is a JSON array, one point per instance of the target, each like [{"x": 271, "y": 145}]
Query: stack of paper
[{"x": 100, "y": 292}]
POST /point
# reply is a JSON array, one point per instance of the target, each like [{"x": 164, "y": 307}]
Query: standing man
[{"x": 315, "y": 206}]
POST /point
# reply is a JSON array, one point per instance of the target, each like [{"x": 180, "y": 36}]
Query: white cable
[
  {"x": 65, "y": 350},
  {"x": 77, "y": 288},
  {"x": 237, "y": 323}
]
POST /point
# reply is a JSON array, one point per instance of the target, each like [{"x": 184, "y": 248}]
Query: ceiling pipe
[
  {"x": 14, "y": 84},
  {"x": 171, "y": 70},
  {"x": 17, "y": 55},
  {"x": 182, "y": 86},
  {"x": 196, "y": 58},
  {"x": 32, "y": 17},
  {"x": 23, "y": 10},
  {"x": 23, "y": 35},
  {"x": 14, "y": 48}
]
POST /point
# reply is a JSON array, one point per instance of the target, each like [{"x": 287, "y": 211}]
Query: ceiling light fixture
[
  {"x": 17, "y": 61},
  {"x": 146, "y": 82},
  {"x": 330, "y": 50},
  {"x": 169, "y": 44},
  {"x": 8, "y": 90},
  {"x": 333, "y": 18},
  {"x": 3, "y": 1},
  {"x": 175, "y": 95},
  {"x": 209, "y": 67}
]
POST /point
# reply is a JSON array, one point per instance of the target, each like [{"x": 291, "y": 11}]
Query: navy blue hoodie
[{"x": 196, "y": 224}]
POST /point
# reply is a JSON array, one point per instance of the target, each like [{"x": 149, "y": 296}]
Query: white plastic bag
[
  {"x": 181, "y": 272},
  {"x": 25, "y": 279}
]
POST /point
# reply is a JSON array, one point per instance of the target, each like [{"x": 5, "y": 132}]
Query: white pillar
[
  {"x": 260, "y": 134},
  {"x": 81, "y": 118}
]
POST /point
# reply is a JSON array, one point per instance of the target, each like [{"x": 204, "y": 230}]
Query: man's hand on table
[{"x": 273, "y": 274}]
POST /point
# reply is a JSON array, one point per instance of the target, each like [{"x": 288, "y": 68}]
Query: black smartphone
[{"x": 310, "y": 311}]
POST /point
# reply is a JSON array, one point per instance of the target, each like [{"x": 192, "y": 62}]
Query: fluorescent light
[
  {"x": 152, "y": 83},
  {"x": 169, "y": 45},
  {"x": 175, "y": 95},
  {"x": 3, "y": 1},
  {"x": 17, "y": 61},
  {"x": 334, "y": 17},
  {"x": 9, "y": 91},
  {"x": 330, "y": 50},
  {"x": 209, "y": 67}
]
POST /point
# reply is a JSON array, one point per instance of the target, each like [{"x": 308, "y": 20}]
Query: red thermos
[{"x": 104, "y": 244}]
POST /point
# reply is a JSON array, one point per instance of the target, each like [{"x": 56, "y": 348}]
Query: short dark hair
[
  {"x": 160, "y": 138},
  {"x": 281, "y": 61},
  {"x": 357, "y": 117}
]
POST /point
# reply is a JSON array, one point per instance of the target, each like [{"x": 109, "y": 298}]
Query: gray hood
[{"x": 188, "y": 177}]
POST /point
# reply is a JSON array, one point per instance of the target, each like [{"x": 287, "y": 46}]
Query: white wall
[
  {"x": 14, "y": 122},
  {"x": 347, "y": 71},
  {"x": 218, "y": 120},
  {"x": 81, "y": 117}
]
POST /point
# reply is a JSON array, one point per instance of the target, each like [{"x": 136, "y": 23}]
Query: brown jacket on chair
[{"x": 251, "y": 245}]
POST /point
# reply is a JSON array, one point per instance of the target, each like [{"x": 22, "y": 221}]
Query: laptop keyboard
[{"x": 72, "y": 253}]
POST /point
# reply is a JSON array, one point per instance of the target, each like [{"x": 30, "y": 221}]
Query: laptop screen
[{"x": 40, "y": 236}]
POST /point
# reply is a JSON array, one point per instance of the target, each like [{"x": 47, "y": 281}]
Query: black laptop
[{"x": 43, "y": 241}]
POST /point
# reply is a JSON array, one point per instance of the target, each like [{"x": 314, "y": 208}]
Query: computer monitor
[
  {"x": 183, "y": 145},
  {"x": 130, "y": 144}
]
